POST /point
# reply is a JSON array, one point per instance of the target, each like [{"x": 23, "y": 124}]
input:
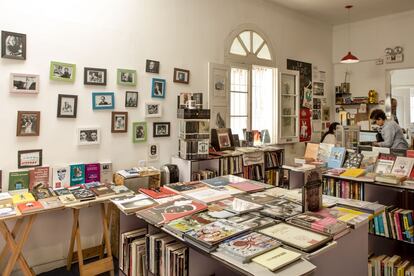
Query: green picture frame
[
  {"x": 139, "y": 132},
  {"x": 126, "y": 77},
  {"x": 61, "y": 71}
]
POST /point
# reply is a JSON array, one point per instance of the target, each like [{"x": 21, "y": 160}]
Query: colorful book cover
[
  {"x": 324, "y": 151},
  {"x": 60, "y": 177},
  {"x": 39, "y": 176},
  {"x": 353, "y": 172},
  {"x": 384, "y": 166},
  {"x": 157, "y": 193},
  {"x": 29, "y": 207},
  {"x": 77, "y": 174},
  {"x": 311, "y": 151},
  {"x": 92, "y": 172},
  {"x": 247, "y": 186},
  {"x": 353, "y": 160},
  {"x": 18, "y": 180},
  {"x": 319, "y": 221},
  {"x": 106, "y": 172},
  {"x": 277, "y": 258},
  {"x": 22, "y": 198},
  {"x": 403, "y": 166},
  {"x": 369, "y": 160},
  {"x": 181, "y": 187},
  {"x": 336, "y": 158},
  {"x": 193, "y": 222},
  {"x": 259, "y": 198}
]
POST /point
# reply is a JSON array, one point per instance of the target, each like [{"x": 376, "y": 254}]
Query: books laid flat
[
  {"x": 51, "y": 202},
  {"x": 7, "y": 210},
  {"x": 252, "y": 220},
  {"x": 207, "y": 194},
  {"x": 353, "y": 172},
  {"x": 247, "y": 186},
  {"x": 82, "y": 194},
  {"x": 121, "y": 189},
  {"x": 216, "y": 181},
  {"x": 319, "y": 222},
  {"x": 180, "y": 187},
  {"x": 157, "y": 193},
  {"x": 61, "y": 191},
  {"x": 277, "y": 258},
  {"x": 351, "y": 217},
  {"x": 302, "y": 239},
  {"x": 240, "y": 206},
  {"x": 281, "y": 209},
  {"x": 390, "y": 178},
  {"x": 363, "y": 206},
  {"x": 67, "y": 199},
  {"x": 102, "y": 190},
  {"x": 6, "y": 198},
  {"x": 403, "y": 166},
  {"x": 41, "y": 192},
  {"x": 258, "y": 198},
  {"x": 193, "y": 222},
  {"x": 29, "y": 207},
  {"x": 132, "y": 203},
  {"x": 336, "y": 158},
  {"x": 249, "y": 246},
  {"x": 218, "y": 209},
  {"x": 22, "y": 198}
]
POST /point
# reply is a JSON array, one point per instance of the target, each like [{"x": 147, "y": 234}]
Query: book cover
[
  {"x": 351, "y": 217},
  {"x": 77, "y": 174},
  {"x": 207, "y": 194},
  {"x": 6, "y": 198},
  {"x": 369, "y": 160},
  {"x": 353, "y": 160},
  {"x": 67, "y": 199},
  {"x": 181, "y": 187},
  {"x": 252, "y": 220},
  {"x": 353, "y": 172},
  {"x": 259, "y": 198},
  {"x": 22, "y": 198},
  {"x": 7, "y": 210},
  {"x": 60, "y": 177},
  {"x": 324, "y": 151},
  {"x": 51, "y": 203},
  {"x": 157, "y": 193},
  {"x": 320, "y": 222},
  {"x": 61, "y": 191},
  {"x": 134, "y": 203},
  {"x": 29, "y": 207},
  {"x": 336, "y": 158},
  {"x": 281, "y": 209},
  {"x": 403, "y": 166},
  {"x": 40, "y": 192},
  {"x": 277, "y": 258},
  {"x": 106, "y": 172},
  {"x": 247, "y": 186},
  {"x": 39, "y": 176},
  {"x": 102, "y": 190},
  {"x": 121, "y": 189},
  {"x": 239, "y": 206},
  {"x": 311, "y": 151},
  {"x": 193, "y": 222},
  {"x": 410, "y": 154},
  {"x": 18, "y": 180},
  {"x": 217, "y": 181},
  {"x": 82, "y": 194},
  {"x": 92, "y": 172},
  {"x": 384, "y": 166}
]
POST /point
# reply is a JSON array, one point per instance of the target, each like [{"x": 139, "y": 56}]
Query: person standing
[{"x": 390, "y": 131}]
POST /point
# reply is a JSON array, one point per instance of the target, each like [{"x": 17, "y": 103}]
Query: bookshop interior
[{"x": 207, "y": 138}]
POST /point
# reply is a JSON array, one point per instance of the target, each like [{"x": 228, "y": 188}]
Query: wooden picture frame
[
  {"x": 13, "y": 45},
  {"x": 29, "y": 158},
  {"x": 119, "y": 122},
  {"x": 24, "y": 83},
  {"x": 94, "y": 76},
  {"x": 67, "y": 106},
  {"x": 222, "y": 139},
  {"x": 161, "y": 129},
  {"x": 126, "y": 77},
  {"x": 131, "y": 99},
  {"x": 181, "y": 76},
  {"x": 62, "y": 71},
  {"x": 28, "y": 123}
]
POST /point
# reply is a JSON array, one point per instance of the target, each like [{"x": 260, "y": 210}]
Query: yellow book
[
  {"x": 277, "y": 258},
  {"x": 22, "y": 198},
  {"x": 353, "y": 172}
]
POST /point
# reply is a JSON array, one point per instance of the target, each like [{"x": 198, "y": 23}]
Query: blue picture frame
[
  {"x": 158, "y": 88},
  {"x": 103, "y": 100}
]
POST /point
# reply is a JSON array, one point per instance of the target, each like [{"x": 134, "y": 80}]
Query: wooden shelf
[{"x": 388, "y": 238}]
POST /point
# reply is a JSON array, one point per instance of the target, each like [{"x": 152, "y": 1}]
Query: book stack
[
  {"x": 6, "y": 205},
  {"x": 385, "y": 265},
  {"x": 281, "y": 208},
  {"x": 352, "y": 217},
  {"x": 272, "y": 159}
]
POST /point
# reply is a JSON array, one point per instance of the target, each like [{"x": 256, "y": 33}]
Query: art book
[
  {"x": 67, "y": 199},
  {"x": 336, "y": 158},
  {"x": 410, "y": 154},
  {"x": 181, "y": 187},
  {"x": 247, "y": 186},
  {"x": 369, "y": 160},
  {"x": 281, "y": 209},
  {"x": 252, "y": 220},
  {"x": 403, "y": 166},
  {"x": 208, "y": 194},
  {"x": 157, "y": 193},
  {"x": 240, "y": 206},
  {"x": 353, "y": 160},
  {"x": 249, "y": 246},
  {"x": 351, "y": 217},
  {"x": 218, "y": 209},
  {"x": 277, "y": 258},
  {"x": 61, "y": 191},
  {"x": 259, "y": 198},
  {"x": 384, "y": 166},
  {"x": 319, "y": 222},
  {"x": 102, "y": 190},
  {"x": 193, "y": 222},
  {"x": 216, "y": 181},
  {"x": 92, "y": 172},
  {"x": 41, "y": 192},
  {"x": 324, "y": 152},
  {"x": 106, "y": 172},
  {"x": 18, "y": 180},
  {"x": 29, "y": 207},
  {"x": 60, "y": 177},
  {"x": 82, "y": 194},
  {"x": 311, "y": 152},
  {"x": 39, "y": 176},
  {"x": 133, "y": 203},
  {"x": 22, "y": 198},
  {"x": 77, "y": 174}
]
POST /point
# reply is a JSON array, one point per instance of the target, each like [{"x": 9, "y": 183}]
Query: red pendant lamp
[{"x": 349, "y": 58}]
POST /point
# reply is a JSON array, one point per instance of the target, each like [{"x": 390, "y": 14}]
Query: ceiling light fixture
[{"x": 349, "y": 58}]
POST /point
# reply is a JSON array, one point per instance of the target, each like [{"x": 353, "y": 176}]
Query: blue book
[
  {"x": 77, "y": 174},
  {"x": 336, "y": 158}
]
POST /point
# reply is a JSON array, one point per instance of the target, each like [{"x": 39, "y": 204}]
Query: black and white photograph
[
  {"x": 152, "y": 109},
  {"x": 161, "y": 129},
  {"x": 13, "y": 45},
  {"x": 28, "y": 123},
  {"x": 181, "y": 75},
  {"x": 127, "y": 77},
  {"x": 152, "y": 66},
  {"x": 316, "y": 114},
  {"x": 103, "y": 100},
  {"x": 158, "y": 88},
  {"x": 119, "y": 122},
  {"x": 62, "y": 71},
  {"x": 131, "y": 99},
  {"x": 139, "y": 132},
  {"x": 94, "y": 76},
  {"x": 153, "y": 152},
  {"x": 318, "y": 89},
  {"x": 67, "y": 106},
  {"x": 89, "y": 136},
  {"x": 24, "y": 83}
]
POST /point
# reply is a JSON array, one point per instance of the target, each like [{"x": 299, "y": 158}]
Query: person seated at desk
[
  {"x": 329, "y": 136},
  {"x": 390, "y": 131}
]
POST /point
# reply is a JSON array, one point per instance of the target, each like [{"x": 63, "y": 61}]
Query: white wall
[{"x": 122, "y": 34}]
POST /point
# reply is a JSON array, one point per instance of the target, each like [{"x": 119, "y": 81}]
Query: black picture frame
[
  {"x": 87, "y": 70},
  {"x": 22, "y": 152},
  {"x": 181, "y": 76},
  {"x": 129, "y": 102},
  {"x": 157, "y": 134},
  {"x": 152, "y": 66},
  {"x": 16, "y": 51},
  {"x": 60, "y": 107}
]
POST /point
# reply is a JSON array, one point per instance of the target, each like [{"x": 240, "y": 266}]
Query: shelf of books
[{"x": 343, "y": 188}]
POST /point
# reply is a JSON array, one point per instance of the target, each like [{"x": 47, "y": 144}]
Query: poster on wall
[
  {"x": 305, "y": 80},
  {"x": 305, "y": 125}
]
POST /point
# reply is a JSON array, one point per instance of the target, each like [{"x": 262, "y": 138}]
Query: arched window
[{"x": 250, "y": 43}]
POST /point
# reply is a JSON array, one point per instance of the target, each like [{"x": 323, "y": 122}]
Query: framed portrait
[
  {"x": 13, "y": 45},
  {"x": 153, "y": 152},
  {"x": 222, "y": 139},
  {"x": 67, "y": 106},
  {"x": 119, "y": 122},
  {"x": 29, "y": 158},
  {"x": 139, "y": 132},
  {"x": 181, "y": 75},
  {"x": 94, "y": 76},
  {"x": 103, "y": 100},
  {"x": 88, "y": 136},
  {"x": 318, "y": 89},
  {"x": 152, "y": 66},
  {"x": 153, "y": 109},
  {"x": 131, "y": 99},
  {"x": 161, "y": 129},
  {"x": 28, "y": 123},
  {"x": 62, "y": 71},
  {"x": 127, "y": 77},
  {"x": 158, "y": 88},
  {"x": 24, "y": 83}
]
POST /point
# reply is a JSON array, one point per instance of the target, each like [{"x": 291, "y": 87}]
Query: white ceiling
[{"x": 334, "y": 12}]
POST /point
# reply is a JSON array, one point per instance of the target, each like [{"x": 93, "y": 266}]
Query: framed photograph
[
  {"x": 326, "y": 113},
  {"x": 139, "y": 132},
  {"x": 153, "y": 109},
  {"x": 152, "y": 66},
  {"x": 103, "y": 100},
  {"x": 161, "y": 129},
  {"x": 24, "y": 83},
  {"x": 181, "y": 75},
  {"x": 29, "y": 158},
  {"x": 222, "y": 139},
  {"x": 153, "y": 152},
  {"x": 158, "y": 88},
  {"x": 28, "y": 123},
  {"x": 67, "y": 106},
  {"x": 88, "y": 136},
  {"x": 119, "y": 122},
  {"x": 127, "y": 77},
  {"x": 131, "y": 99},
  {"x": 318, "y": 89},
  {"x": 94, "y": 76},
  {"x": 62, "y": 71},
  {"x": 13, "y": 45}
]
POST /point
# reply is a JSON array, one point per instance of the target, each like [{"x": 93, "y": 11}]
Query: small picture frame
[
  {"x": 139, "y": 132},
  {"x": 161, "y": 129},
  {"x": 28, "y": 123},
  {"x": 127, "y": 77},
  {"x": 103, "y": 100},
  {"x": 181, "y": 75},
  {"x": 152, "y": 66},
  {"x": 131, "y": 99},
  {"x": 222, "y": 139},
  {"x": 29, "y": 158},
  {"x": 88, "y": 136},
  {"x": 119, "y": 122},
  {"x": 153, "y": 109},
  {"x": 94, "y": 76},
  {"x": 13, "y": 45},
  {"x": 153, "y": 152},
  {"x": 62, "y": 71},
  {"x": 24, "y": 83},
  {"x": 158, "y": 88},
  {"x": 67, "y": 106}
]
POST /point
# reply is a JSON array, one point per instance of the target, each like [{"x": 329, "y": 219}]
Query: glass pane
[
  {"x": 237, "y": 125},
  {"x": 257, "y": 41},
  {"x": 245, "y": 37},
  {"x": 238, "y": 104},
  {"x": 264, "y": 53},
  {"x": 288, "y": 127},
  {"x": 288, "y": 84},
  {"x": 237, "y": 48},
  {"x": 239, "y": 80},
  {"x": 288, "y": 105}
]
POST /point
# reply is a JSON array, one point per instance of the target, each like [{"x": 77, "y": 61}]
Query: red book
[
  {"x": 39, "y": 175},
  {"x": 158, "y": 193},
  {"x": 410, "y": 153},
  {"x": 247, "y": 186},
  {"x": 29, "y": 207}
]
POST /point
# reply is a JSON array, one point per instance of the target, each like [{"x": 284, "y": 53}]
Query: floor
[{"x": 61, "y": 271}]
